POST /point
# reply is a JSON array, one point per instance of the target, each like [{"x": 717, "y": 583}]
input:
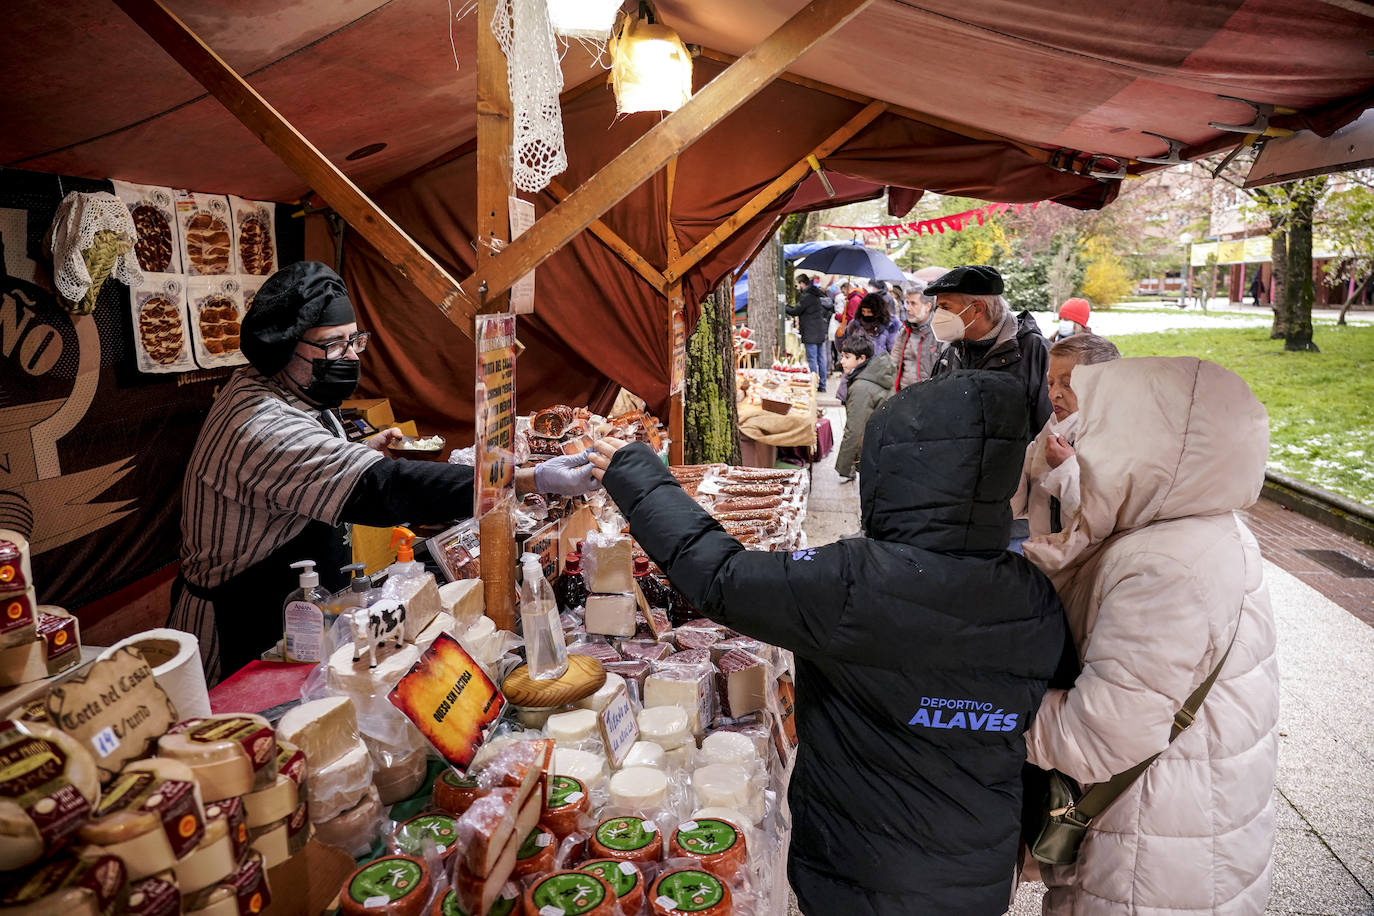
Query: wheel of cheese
[
  {"x": 355, "y": 829},
  {"x": 724, "y": 785},
  {"x": 689, "y": 890},
  {"x": 447, "y": 905},
  {"x": 66, "y": 885},
  {"x": 401, "y": 779},
  {"x": 626, "y": 838},
  {"x": 167, "y": 768},
  {"x": 571, "y": 727},
  {"x": 667, "y": 726},
  {"x": 734, "y": 817},
  {"x": 231, "y": 755},
  {"x": 272, "y": 842},
  {"x": 271, "y": 804},
  {"x": 156, "y": 895},
  {"x": 604, "y": 694},
  {"x": 625, "y": 878},
  {"x": 147, "y": 821},
  {"x": 717, "y": 845},
  {"x": 646, "y": 754},
  {"x": 411, "y": 837},
  {"x": 455, "y": 793},
  {"x": 585, "y": 766},
  {"x": 340, "y": 784},
  {"x": 727, "y": 747},
  {"x": 391, "y": 886},
  {"x": 536, "y": 853},
  {"x": 211, "y": 861},
  {"x": 573, "y": 893},
  {"x": 58, "y": 774},
  {"x": 639, "y": 788},
  {"x": 568, "y": 803}
]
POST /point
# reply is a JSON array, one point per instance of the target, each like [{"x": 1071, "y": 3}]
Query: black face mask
[{"x": 331, "y": 381}]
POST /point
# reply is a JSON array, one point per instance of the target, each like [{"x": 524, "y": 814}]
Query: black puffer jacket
[
  {"x": 813, "y": 312},
  {"x": 922, "y": 651}
]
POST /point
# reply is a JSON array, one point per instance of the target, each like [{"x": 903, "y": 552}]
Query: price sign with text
[
  {"x": 495, "y": 439},
  {"x": 679, "y": 340}
]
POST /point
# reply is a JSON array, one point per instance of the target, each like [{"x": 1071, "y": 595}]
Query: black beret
[
  {"x": 971, "y": 280},
  {"x": 293, "y": 300}
]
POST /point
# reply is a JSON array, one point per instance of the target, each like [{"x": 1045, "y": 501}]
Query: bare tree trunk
[
  {"x": 711, "y": 424},
  {"x": 1356, "y": 293},
  {"x": 764, "y": 302},
  {"x": 1278, "y": 284},
  {"x": 1300, "y": 293}
]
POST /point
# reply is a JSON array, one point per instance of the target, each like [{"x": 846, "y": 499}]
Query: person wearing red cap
[{"x": 1073, "y": 319}]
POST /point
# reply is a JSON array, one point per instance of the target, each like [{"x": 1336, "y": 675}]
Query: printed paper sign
[
  {"x": 495, "y": 413},
  {"x": 450, "y": 699},
  {"x": 619, "y": 728},
  {"x": 679, "y": 341},
  {"x": 521, "y": 218}
]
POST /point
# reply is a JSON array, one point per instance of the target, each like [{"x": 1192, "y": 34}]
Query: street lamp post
[{"x": 1187, "y": 240}]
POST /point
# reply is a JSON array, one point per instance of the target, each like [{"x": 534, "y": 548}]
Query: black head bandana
[{"x": 295, "y": 299}]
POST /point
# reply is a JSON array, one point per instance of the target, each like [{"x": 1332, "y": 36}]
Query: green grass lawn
[{"x": 1321, "y": 405}]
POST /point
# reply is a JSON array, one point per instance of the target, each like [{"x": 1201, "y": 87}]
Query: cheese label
[
  {"x": 59, "y": 635},
  {"x": 104, "y": 877},
  {"x": 172, "y": 801},
  {"x": 115, "y": 708},
  {"x": 706, "y": 837},
  {"x": 152, "y": 896},
  {"x": 625, "y": 834},
  {"x": 619, "y": 727},
  {"x": 258, "y": 740},
  {"x": 231, "y": 810},
  {"x": 621, "y": 876},
  {"x": 440, "y": 828},
  {"x": 11, "y": 565},
  {"x": 33, "y": 774},
  {"x": 689, "y": 891},
  {"x": 450, "y": 699},
  {"x": 18, "y": 611},
  {"x": 298, "y": 828},
  {"x": 574, "y": 893},
  {"x": 390, "y": 879},
  {"x": 563, "y": 790},
  {"x": 290, "y": 762},
  {"x": 250, "y": 886}
]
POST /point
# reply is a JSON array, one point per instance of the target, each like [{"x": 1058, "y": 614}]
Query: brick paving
[{"x": 1282, "y": 533}]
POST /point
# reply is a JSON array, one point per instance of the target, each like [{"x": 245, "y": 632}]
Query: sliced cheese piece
[
  {"x": 667, "y": 726},
  {"x": 571, "y": 727},
  {"x": 324, "y": 730},
  {"x": 643, "y": 789},
  {"x": 491, "y": 831},
  {"x": 609, "y": 567},
  {"x": 230, "y": 754},
  {"x": 463, "y": 599},
  {"x": 355, "y": 829},
  {"x": 66, "y": 885},
  {"x": 147, "y": 821},
  {"x": 443, "y": 622},
  {"x": 688, "y": 687},
  {"x": 339, "y": 785},
  {"x": 581, "y": 765},
  {"x": 744, "y": 680},
  {"x": 210, "y": 862},
  {"x": 420, "y": 595},
  {"x": 611, "y": 615},
  {"x": 58, "y": 777},
  {"x": 597, "y": 701}
]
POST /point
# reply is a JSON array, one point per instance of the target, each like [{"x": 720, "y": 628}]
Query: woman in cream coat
[{"x": 1157, "y": 573}]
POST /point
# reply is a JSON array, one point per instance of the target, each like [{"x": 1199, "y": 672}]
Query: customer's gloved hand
[{"x": 566, "y": 475}]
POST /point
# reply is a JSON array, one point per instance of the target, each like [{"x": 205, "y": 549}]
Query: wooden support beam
[
  {"x": 670, "y": 236},
  {"x": 651, "y": 152},
  {"x": 775, "y": 189},
  {"x": 617, "y": 244},
  {"x": 677, "y": 388},
  {"x": 332, "y": 185},
  {"x": 495, "y": 186}
]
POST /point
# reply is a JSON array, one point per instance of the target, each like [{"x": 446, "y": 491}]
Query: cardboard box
[
  {"x": 376, "y": 411},
  {"x": 772, "y": 404}
]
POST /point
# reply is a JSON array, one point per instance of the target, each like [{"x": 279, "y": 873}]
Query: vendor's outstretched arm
[
  {"x": 795, "y": 600},
  {"x": 418, "y": 492}
]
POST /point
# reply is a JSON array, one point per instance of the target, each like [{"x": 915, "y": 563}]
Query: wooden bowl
[{"x": 405, "y": 448}]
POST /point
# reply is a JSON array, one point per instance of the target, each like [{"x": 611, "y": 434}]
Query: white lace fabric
[
  {"x": 79, "y": 217},
  {"x": 526, "y": 37}
]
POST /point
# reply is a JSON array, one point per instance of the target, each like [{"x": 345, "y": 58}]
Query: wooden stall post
[{"x": 494, "y": 189}]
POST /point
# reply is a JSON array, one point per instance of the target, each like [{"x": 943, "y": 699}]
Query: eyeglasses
[{"x": 336, "y": 349}]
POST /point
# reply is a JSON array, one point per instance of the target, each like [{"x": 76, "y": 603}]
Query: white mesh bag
[
  {"x": 522, "y": 29},
  {"x": 76, "y": 256}
]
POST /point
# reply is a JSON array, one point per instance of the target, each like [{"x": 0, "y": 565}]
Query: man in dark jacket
[
  {"x": 922, "y": 650},
  {"x": 981, "y": 332},
  {"x": 813, "y": 312}
]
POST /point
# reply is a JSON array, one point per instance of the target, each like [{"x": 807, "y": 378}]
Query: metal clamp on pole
[
  {"x": 1170, "y": 158},
  {"x": 820, "y": 173},
  {"x": 1263, "y": 112}
]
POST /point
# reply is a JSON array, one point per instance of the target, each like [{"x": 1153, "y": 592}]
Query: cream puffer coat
[{"x": 1168, "y": 449}]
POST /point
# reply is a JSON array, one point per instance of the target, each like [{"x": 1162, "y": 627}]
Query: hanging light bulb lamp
[
  {"x": 651, "y": 68},
  {"x": 587, "y": 19}
]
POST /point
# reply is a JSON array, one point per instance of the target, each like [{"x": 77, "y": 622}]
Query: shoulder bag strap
[{"x": 1096, "y": 799}]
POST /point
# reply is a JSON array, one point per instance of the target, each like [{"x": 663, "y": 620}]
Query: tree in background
[
  {"x": 1291, "y": 208},
  {"x": 1105, "y": 279},
  {"x": 711, "y": 421},
  {"x": 1347, "y": 219}
]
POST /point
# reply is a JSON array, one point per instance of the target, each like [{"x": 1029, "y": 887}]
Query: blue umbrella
[{"x": 853, "y": 261}]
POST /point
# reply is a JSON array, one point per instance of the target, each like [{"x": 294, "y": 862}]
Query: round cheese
[
  {"x": 625, "y": 879},
  {"x": 210, "y": 862},
  {"x": 66, "y": 885},
  {"x": 689, "y": 890},
  {"x": 724, "y": 785},
  {"x": 365, "y": 685},
  {"x": 568, "y": 803},
  {"x": 447, "y": 905},
  {"x": 147, "y": 821},
  {"x": 391, "y": 885},
  {"x": 572, "y": 727},
  {"x": 339, "y": 785},
  {"x": 355, "y": 829},
  {"x": 585, "y": 766},
  {"x": 57, "y": 773},
  {"x": 667, "y": 726},
  {"x": 533, "y": 717},
  {"x": 572, "y": 893},
  {"x": 423, "y": 832},
  {"x": 727, "y": 747},
  {"x": 733, "y": 817},
  {"x": 597, "y": 701},
  {"x": 272, "y": 843},
  {"x": 271, "y": 804},
  {"x": 455, "y": 793},
  {"x": 718, "y": 846},
  {"x": 324, "y": 729},
  {"x": 230, "y": 755},
  {"x": 639, "y": 789},
  {"x": 219, "y": 900},
  {"x": 536, "y": 853},
  {"x": 626, "y": 838},
  {"x": 646, "y": 754},
  {"x": 156, "y": 895},
  {"x": 403, "y": 778}
]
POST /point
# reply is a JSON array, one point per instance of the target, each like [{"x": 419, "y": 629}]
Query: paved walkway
[{"x": 1324, "y": 854}]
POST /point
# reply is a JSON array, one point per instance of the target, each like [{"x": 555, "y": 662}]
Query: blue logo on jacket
[{"x": 973, "y": 715}]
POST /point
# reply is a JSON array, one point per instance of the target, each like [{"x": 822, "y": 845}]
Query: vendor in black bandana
[{"x": 273, "y": 479}]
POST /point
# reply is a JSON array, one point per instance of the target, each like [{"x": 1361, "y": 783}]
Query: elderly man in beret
[{"x": 273, "y": 480}]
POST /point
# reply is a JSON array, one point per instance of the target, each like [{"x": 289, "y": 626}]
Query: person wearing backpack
[{"x": 813, "y": 312}]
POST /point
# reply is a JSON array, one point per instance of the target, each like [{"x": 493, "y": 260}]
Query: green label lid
[
  {"x": 707, "y": 836},
  {"x": 691, "y": 890},
  {"x": 390, "y": 878},
  {"x": 621, "y": 880},
  {"x": 624, "y": 834},
  {"x": 572, "y": 892},
  {"x": 564, "y": 786},
  {"x": 453, "y": 778},
  {"x": 531, "y": 846},
  {"x": 440, "y": 828}
]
